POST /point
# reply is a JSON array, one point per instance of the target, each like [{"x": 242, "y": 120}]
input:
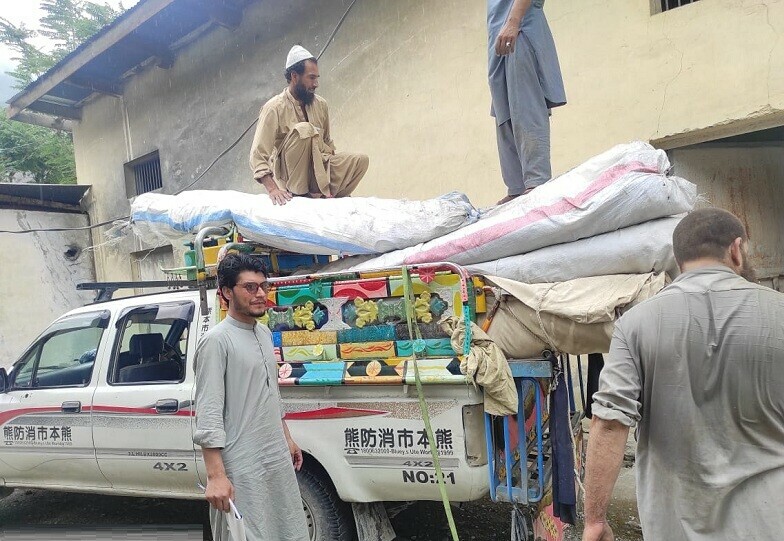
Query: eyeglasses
[{"x": 253, "y": 287}]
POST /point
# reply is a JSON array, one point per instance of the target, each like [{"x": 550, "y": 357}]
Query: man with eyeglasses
[{"x": 248, "y": 451}]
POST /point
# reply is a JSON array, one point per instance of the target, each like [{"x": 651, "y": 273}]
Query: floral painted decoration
[
  {"x": 303, "y": 316},
  {"x": 422, "y": 308},
  {"x": 367, "y": 312}
]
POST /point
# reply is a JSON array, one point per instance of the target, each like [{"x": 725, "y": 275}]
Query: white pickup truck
[{"x": 102, "y": 402}]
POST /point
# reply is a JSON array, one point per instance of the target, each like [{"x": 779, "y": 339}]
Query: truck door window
[
  {"x": 152, "y": 345},
  {"x": 64, "y": 356}
]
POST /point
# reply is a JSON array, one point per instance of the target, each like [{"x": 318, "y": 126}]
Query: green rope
[{"x": 413, "y": 329}]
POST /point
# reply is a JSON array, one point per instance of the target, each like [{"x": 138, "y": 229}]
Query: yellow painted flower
[
  {"x": 303, "y": 316},
  {"x": 422, "y": 308},
  {"x": 367, "y": 312}
]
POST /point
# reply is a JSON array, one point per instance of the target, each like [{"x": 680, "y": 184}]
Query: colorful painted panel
[
  {"x": 279, "y": 319},
  {"x": 296, "y": 295},
  {"x": 435, "y": 371},
  {"x": 318, "y": 352},
  {"x": 361, "y": 313},
  {"x": 391, "y": 311},
  {"x": 421, "y": 283},
  {"x": 272, "y": 297},
  {"x": 309, "y": 316},
  {"x": 372, "y": 333},
  {"x": 368, "y": 350},
  {"x": 426, "y": 330},
  {"x": 308, "y": 338},
  {"x": 434, "y": 347},
  {"x": 363, "y": 289},
  {"x": 353, "y": 329},
  {"x": 334, "y": 308},
  {"x": 386, "y": 371},
  {"x": 289, "y": 373},
  {"x": 311, "y": 373},
  {"x": 446, "y": 287}
]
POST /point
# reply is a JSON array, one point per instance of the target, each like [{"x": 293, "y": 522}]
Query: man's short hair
[
  {"x": 233, "y": 264},
  {"x": 299, "y": 67},
  {"x": 706, "y": 233}
]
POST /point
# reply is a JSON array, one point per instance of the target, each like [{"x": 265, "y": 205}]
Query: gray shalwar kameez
[
  {"x": 238, "y": 410},
  {"x": 700, "y": 367},
  {"x": 524, "y": 86}
]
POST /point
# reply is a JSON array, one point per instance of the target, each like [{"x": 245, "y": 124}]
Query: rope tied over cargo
[{"x": 413, "y": 331}]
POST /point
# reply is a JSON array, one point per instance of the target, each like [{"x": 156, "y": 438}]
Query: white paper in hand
[{"x": 235, "y": 523}]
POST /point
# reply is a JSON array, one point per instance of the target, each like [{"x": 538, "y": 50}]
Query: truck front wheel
[{"x": 329, "y": 518}]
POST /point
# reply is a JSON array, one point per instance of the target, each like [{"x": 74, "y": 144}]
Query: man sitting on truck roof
[
  {"x": 293, "y": 146},
  {"x": 248, "y": 452}
]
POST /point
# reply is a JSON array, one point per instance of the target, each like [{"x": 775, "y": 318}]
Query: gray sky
[{"x": 27, "y": 12}]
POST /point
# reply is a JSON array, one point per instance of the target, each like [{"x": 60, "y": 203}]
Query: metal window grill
[
  {"x": 147, "y": 174},
  {"x": 672, "y": 4}
]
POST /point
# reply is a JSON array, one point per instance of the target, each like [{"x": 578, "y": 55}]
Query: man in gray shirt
[
  {"x": 248, "y": 452},
  {"x": 525, "y": 83},
  {"x": 700, "y": 368}
]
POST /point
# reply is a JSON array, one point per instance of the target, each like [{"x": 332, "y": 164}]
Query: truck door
[
  {"x": 45, "y": 416},
  {"x": 142, "y": 406}
]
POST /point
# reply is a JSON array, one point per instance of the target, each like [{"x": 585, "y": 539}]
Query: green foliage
[
  {"x": 66, "y": 23},
  {"x": 42, "y": 154}
]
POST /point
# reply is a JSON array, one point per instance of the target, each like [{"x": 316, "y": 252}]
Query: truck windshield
[{"x": 64, "y": 355}]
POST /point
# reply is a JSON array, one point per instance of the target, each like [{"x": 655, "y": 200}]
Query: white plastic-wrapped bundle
[
  {"x": 622, "y": 187},
  {"x": 355, "y": 225},
  {"x": 638, "y": 249}
]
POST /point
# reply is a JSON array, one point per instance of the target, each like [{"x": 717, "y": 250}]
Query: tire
[
  {"x": 5, "y": 492},
  {"x": 329, "y": 518}
]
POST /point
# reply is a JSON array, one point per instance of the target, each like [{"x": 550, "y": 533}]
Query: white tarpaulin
[
  {"x": 354, "y": 225},
  {"x": 624, "y": 186},
  {"x": 632, "y": 250}
]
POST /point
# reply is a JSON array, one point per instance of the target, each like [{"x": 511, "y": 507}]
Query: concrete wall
[
  {"x": 748, "y": 180},
  {"x": 703, "y": 71},
  {"x": 39, "y": 282},
  {"x": 406, "y": 83},
  {"x": 192, "y": 112}
]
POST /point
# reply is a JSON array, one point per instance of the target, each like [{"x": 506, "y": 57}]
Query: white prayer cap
[{"x": 297, "y": 53}]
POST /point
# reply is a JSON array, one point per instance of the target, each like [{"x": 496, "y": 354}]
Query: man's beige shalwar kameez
[{"x": 295, "y": 146}]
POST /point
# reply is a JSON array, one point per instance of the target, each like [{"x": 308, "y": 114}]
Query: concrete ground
[{"x": 478, "y": 521}]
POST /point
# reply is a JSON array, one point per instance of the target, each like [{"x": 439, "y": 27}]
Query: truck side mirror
[{"x": 3, "y": 381}]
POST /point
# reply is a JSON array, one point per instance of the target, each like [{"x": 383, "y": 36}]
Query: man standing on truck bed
[
  {"x": 248, "y": 451},
  {"x": 293, "y": 145},
  {"x": 700, "y": 367},
  {"x": 525, "y": 83}
]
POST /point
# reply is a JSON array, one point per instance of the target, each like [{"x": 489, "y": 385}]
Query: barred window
[
  {"x": 143, "y": 175},
  {"x": 667, "y": 5}
]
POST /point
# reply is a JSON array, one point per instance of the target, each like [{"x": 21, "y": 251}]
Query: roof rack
[{"x": 105, "y": 290}]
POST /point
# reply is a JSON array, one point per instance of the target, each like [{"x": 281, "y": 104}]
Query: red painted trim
[
  {"x": 331, "y": 413},
  {"x": 13, "y": 414},
  {"x": 7, "y": 416},
  {"x": 139, "y": 411}
]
